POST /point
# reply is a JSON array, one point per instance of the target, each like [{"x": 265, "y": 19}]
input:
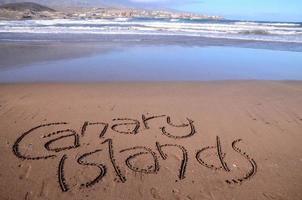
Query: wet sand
[
  {"x": 208, "y": 140},
  {"x": 19, "y": 54}
]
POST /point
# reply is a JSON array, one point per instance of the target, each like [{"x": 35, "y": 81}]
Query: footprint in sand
[
  {"x": 26, "y": 174},
  {"x": 44, "y": 189},
  {"x": 155, "y": 194}
]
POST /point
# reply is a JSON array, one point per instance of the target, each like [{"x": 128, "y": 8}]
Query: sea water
[
  {"x": 165, "y": 63},
  {"x": 160, "y": 50},
  {"x": 225, "y": 29}
]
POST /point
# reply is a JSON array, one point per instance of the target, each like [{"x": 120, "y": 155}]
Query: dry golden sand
[{"x": 265, "y": 164}]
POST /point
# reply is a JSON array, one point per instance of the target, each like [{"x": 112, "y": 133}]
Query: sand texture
[{"x": 128, "y": 141}]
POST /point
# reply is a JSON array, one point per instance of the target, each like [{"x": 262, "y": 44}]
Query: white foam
[
  {"x": 267, "y": 24},
  {"x": 286, "y": 32},
  {"x": 281, "y": 24},
  {"x": 121, "y": 19}
]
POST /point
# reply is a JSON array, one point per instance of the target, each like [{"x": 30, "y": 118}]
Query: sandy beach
[
  {"x": 199, "y": 140},
  {"x": 150, "y": 100}
]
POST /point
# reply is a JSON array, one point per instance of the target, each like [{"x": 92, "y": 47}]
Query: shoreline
[{"x": 16, "y": 54}]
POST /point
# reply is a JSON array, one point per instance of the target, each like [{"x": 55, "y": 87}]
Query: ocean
[
  {"x": 221, "y": 29},
  {"x": 122, "y": 49}
]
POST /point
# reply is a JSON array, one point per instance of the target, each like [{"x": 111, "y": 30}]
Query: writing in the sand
[{"x": 155, "y": 154}]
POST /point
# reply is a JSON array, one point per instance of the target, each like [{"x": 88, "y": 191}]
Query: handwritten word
[{"x": 156, "y": 154}]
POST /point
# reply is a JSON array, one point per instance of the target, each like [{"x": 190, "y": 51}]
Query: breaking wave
[{"x": 258, "y": 31}]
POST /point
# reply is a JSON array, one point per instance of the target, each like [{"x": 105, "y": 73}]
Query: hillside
[
  {"x": 61, "y": 3},
  {"x": 26, "y": 6},
  {"x": 31, "y": 10}
]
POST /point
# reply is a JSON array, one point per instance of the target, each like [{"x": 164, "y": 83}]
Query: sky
[{"x": 267, "y": 10}]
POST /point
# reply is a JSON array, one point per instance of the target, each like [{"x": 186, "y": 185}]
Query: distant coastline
[
  {"x": 28, "y": 10},
  {"x": 31, "y": 21}
]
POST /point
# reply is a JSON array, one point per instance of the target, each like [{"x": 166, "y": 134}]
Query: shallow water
[{"x": 164, "y": 63}]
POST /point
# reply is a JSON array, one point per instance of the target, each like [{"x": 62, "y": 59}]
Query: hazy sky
[{"x": 283, "y": 10}]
